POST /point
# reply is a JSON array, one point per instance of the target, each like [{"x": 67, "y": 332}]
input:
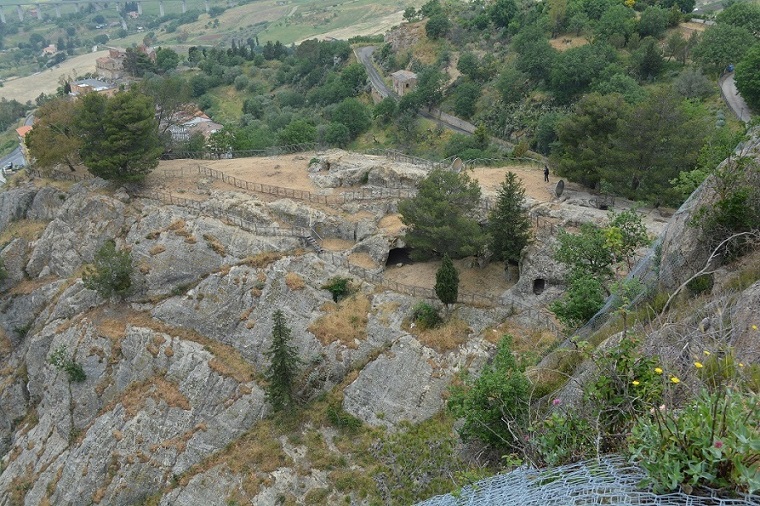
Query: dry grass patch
[
  {"x": 294, "y": 281},
  {"x": 333, "y": 244},
  {"x": 567, "y": 41},
  {"x": 391, "y": 224},
  {"x": 448, "y": 337},
  {"x": 227, "y": 360},
  {"x": 157, "y": 388},
  {"x": 27, "y": 286},
  {"x": 215, "y": 245},
  {"x": 362, "y": 260},
  {"x": 158, "y": 248},
  {"x": 29, "y": 230},
  {"x": 257, "y": 451},
  {"x": 345, "y": 322},
  {"x": 261, "y": 260}
]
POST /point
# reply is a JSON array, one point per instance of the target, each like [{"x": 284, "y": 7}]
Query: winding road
[{"x": 733, "y": 99}]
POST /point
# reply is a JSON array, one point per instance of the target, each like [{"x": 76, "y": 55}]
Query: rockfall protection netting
[{"x": 608, "y": 480}]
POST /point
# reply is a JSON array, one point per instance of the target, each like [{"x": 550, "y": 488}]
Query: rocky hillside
[{"x": 172, "y": 409}]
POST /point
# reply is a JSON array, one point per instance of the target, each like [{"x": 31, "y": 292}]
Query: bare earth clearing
[
  {"x": 47, "y": 81},
  {"x": 290, "y": 171}
]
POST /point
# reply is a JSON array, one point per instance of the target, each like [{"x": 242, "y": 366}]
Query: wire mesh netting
[{"x": 608, "y": 480}]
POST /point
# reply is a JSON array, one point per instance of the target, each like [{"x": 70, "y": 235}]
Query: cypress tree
[
  {"x": 508, "y": 223},
  {"x": 283, "y": 365},
  {"x": 447, "y": 282}
]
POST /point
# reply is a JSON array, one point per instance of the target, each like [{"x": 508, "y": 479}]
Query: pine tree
[
  {"x": 447, "y": 282},
  {"x": 283, "y": 365},
  {"x": 508, "y": 224}
]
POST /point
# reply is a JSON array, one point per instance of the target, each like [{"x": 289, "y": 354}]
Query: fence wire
[{"x": 610, "y": 480}]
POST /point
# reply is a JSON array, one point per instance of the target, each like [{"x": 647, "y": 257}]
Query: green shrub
[
  {"x": 60, "y": 360},
  {"x": 426, "y": 316},
  {"x": 3, "y": 272},
  {"x": 701, "y": 284},
  {"x": 563, "y": 438},
  {"x": 341, "y": 419},
  {"x": 714, "y": 441},
  {"x": 111, "y": 273},
  {"x": 338, "y": 287},
  {"x": 584, "y": 297},
  {"x": 494, "y": 406}
]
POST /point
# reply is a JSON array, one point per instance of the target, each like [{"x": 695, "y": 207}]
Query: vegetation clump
[
  {"x": 282, "y": 371},
  {"x": 111, "y": 273},
  {"x": 61, "y": 361}
]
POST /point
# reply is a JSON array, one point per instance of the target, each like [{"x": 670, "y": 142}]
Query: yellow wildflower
[
  {"x": 635, "y": 383},
  {"x": 698, "y": 365},
  {"x": 741, "y": 364},
  {"x": 754, "y": 327},
  {"x": 707, "y": 353},
  {"x": 658, "y": 370},
  {"x": 675, "y": 380}
]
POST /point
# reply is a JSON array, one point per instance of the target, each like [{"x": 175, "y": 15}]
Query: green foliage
[
  {"x": 3, "y": 271},
  {"x": 583, "y": 298},
  {"x": 426, "y": 316},
  {"x": 417, "y": 462},
  {"x": 341, "y": 419},
  {"x": 447, "y": 282},
  {"x": 626, "y": 387},
  {"x": 742, "y": 14},
  {"x": 441, "y": 216},
  {"x": 714, "y": 441},
  {"x": 339, "y": 288},
  {"x": 587, "y": 252},
  {"x": 437, "y": 26},
  {"x": 563, "y": 438},
  {"x": 112, "y": 271},
  {"x": 465, "y": 99},
  {"x": 625, "y": 234},
  {"x": 747, "y": 77},
  {"x": 508, "y": 224},
  {"x": 701, "y": 284},
  {"x": 494, "y": 406},
  {"x": 298, "y": 131},
  {"x": 354, "y": 115},
  {"x": 283, "y": 366},
  {"x": 120, "y": 136},
  {"x": 574, "y": 70},
  {"x": 721, "y": 45},
  {"x": 61, "y": 361},
  {"x": 653, "y": 21},
  {"x": 385, "y": 110}
]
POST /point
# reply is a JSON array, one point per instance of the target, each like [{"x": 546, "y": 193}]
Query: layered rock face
[{"x": 173, "y": 372}]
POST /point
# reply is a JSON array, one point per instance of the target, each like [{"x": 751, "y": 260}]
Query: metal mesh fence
[{"x": 609, "y": 480}]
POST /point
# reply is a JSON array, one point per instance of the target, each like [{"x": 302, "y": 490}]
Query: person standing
[{"x": 546, "y": 173}]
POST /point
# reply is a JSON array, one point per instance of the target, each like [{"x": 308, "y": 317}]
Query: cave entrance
[
  {"x": 539, "y": 285},
  {"x": 399, "y": 256}
]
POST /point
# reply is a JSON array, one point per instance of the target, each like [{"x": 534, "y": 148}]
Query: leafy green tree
[
  {"x": 675, "y": 47},
  {"x": 410, "y": 14},
  {"x": 166, "y": 59},
  {"x": 512, "y": 85},
  {"x": 557, "y": 16},
  {"x": 299, "y": 131},
  {"x": 747, "y": 77},
  {"x": 653, "y": 22},
  {"x": 536, "y": 58},
  {"x": 545, "y": 135},
  {"x": 494, "y": 406},
  {"x": 111, "y": 273},
  {"x": 334, "y": 134},
  {"x": 437, "y": 26},
  {"x": 585, "y": 137},
  {"x": 283, "y": 365},
  {"x": 625, "y": 234},
  {"x": 661, "y": 138},
  {"x": 693, "y": 84},
  {"x": 721, "y": 45},
  {"x": 466, "y": 98},
  {"x": 430, "y": 82},
  {"x": 621, "y": 83},
  {"x": 441, "y": 216},
  {"x": 583, "y": 298},
  {"x": 742, "y": 14},
  {"x": 617, "y": 20},
  {"x": 354, "y": 115},
  {"x": 120, "y": 139},
  {"x": 447, "y": 282},
  {"x": 683, "y": 5},
  {"x": 575, "y": 69},
  {"x": 648, "y": 59},
  {"x": 508, "y": 223},
  {"x": 469, "y": 65},
  {"x": 170, "y": 94},
  {"x": 502, "y": 12},
  {"x": 385, "y": 110},
  {"x": 55, "y": 139},
  {"x": 586, "y": 253}
]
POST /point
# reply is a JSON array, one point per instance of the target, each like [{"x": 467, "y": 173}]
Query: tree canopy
[
  {"x": 508, "y": 223},
  {"x": 441, "y": 216},
  {"x": 55, "y": 139},
  {"x": 119, "y": 135}
]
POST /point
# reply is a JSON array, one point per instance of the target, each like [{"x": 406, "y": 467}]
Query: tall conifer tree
[{"x": 283, "y": 366}]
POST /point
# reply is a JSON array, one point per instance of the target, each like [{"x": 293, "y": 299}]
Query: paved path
[
  {"x": 364, "y": 55},
  {"x": 733, "y": 99}
]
